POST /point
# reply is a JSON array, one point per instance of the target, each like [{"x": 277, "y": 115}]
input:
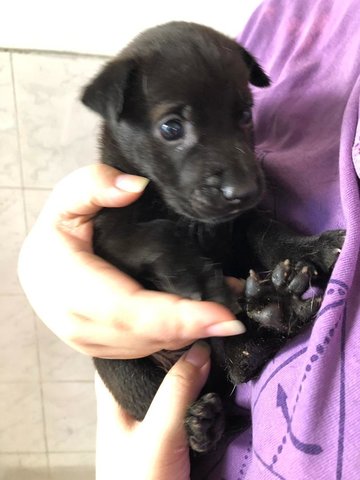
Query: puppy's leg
[
  {"x": 274, "y": 310},
  {"x": 272, "y": 242},
  {"x": 205, "y": 423},
  {"x": 133, "y": 383}
]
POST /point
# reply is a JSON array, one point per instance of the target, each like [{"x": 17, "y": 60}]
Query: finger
[
  {"x": 237, "y": 285},
  {"x": 108, "y": 310},
  {"x": 168, "y": 321},
  {"x": 114, "y": 434},
  {"x": 86, "y": 190},
  {"x": 181, "y": 386}
]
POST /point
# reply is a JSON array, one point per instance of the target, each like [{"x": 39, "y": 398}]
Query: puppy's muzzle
[
  {"x": 231, "y": 190},
  {"x": 226, "y": 196}
]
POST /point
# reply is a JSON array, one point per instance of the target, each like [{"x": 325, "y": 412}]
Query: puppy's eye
[
  {"x": 245, "y": 117},
  {"x": 172, "y": 129}
]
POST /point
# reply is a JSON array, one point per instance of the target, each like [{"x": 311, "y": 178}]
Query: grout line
[
  {"x": 11, "y": 187},
  {"x": 18, "y": 452},
  {"x": 60, "y": 53}
]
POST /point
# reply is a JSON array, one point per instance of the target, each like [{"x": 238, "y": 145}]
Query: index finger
[{"x": 86, "y": 190}]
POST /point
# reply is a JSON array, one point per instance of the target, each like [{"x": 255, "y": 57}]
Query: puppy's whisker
[{"x": 239, "y": 149}]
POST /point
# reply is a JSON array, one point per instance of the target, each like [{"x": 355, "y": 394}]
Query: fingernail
[
  {"x": 198, "y": 354},
  {"x": 131, "y": 183},
  {"x": 224, "y": 329}
]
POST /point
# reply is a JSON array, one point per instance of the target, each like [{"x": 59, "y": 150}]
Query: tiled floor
[{"x": 47, "y": 419}]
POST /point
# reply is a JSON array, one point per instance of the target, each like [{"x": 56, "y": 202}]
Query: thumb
[
  {"x": 180, "y": 387},
  {"x": 86, "y": 190}
]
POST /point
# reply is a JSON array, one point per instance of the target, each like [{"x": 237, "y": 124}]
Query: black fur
[{"x": 196, "y": 221}]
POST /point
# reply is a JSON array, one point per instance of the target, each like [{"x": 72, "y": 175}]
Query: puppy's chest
[
  {"x": 214, "y": 241},
  {"x": 225, "y": 244}
]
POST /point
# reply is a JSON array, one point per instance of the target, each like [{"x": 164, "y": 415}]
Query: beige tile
[
  {"x": 26, "y": 474},
  {"x": 10, "y": 175},
  {"x": 21, "y": 421},
  {"x": 23, "y": 466},
  {"x": 60, "y": 362},
  {"x": 70, "y": 416},
  {"x": 12, "y": 233},
  {"x": 18, "y": 347},
  {"x": 57, "y": 133},
  {"x": 71, "y": 459},
  {"x": 78, "y": 473},
  {"x": 80, "y": 466},
  {"x": 34, "y": 201}
]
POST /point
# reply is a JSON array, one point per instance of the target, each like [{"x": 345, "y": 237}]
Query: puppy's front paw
[
  {"x": 273, "y": 311},
  {"x": 205, "y": 423},
  {"x": 275, "y": 302},
  {"x": 328, "y": 249}
]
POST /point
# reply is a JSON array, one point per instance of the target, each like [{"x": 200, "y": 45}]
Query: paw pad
[{"x": 275, "y": 302}]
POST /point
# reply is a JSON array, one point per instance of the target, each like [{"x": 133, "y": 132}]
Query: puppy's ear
[
  {"x": 257, "y": 75},
  {"x": 106, "y": 93}
]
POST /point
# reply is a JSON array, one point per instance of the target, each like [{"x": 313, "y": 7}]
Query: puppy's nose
[
  {"x": 238, "y": 193},
  {"x": 231, "y": 190}
]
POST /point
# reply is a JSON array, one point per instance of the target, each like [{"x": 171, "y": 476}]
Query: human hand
[
  {"x": 156, "y": 448},
  {"x": 87, "y": 302}
]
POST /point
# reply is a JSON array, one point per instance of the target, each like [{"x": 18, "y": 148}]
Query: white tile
[
  {"x": 57, "y": 133},
  {"x": 59, "y": 362},
  {"x": 34, "y": 201},
  {"x": 70, "y": 416},
  {"x": 9, "y": 154},
  {"x": 12, "y": 233},
  {"x": 18, "y": 346},
  {"x": 23, "y": 466},
  {"x": 21, "y": 421}
]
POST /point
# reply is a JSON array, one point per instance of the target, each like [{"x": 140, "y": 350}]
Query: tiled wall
[{"x": 47, "y": 407}]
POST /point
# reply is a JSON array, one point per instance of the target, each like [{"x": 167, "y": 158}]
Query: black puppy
[{"x": 177, "y": 109}]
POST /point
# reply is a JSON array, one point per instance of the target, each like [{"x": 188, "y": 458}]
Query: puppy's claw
[
  {"x": 252, "y": 287},
  {"x": 329, "y": 246},
  {"x": 300, "y": 283},
  {"x": 280, "y": 274},
  {"x": 305, "y": 266}
]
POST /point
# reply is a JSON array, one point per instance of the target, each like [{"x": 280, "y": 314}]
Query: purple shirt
[{"x": 306, "y": 404}]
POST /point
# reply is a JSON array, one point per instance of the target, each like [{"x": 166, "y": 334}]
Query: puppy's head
[{"x": 177, "y": 109}]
